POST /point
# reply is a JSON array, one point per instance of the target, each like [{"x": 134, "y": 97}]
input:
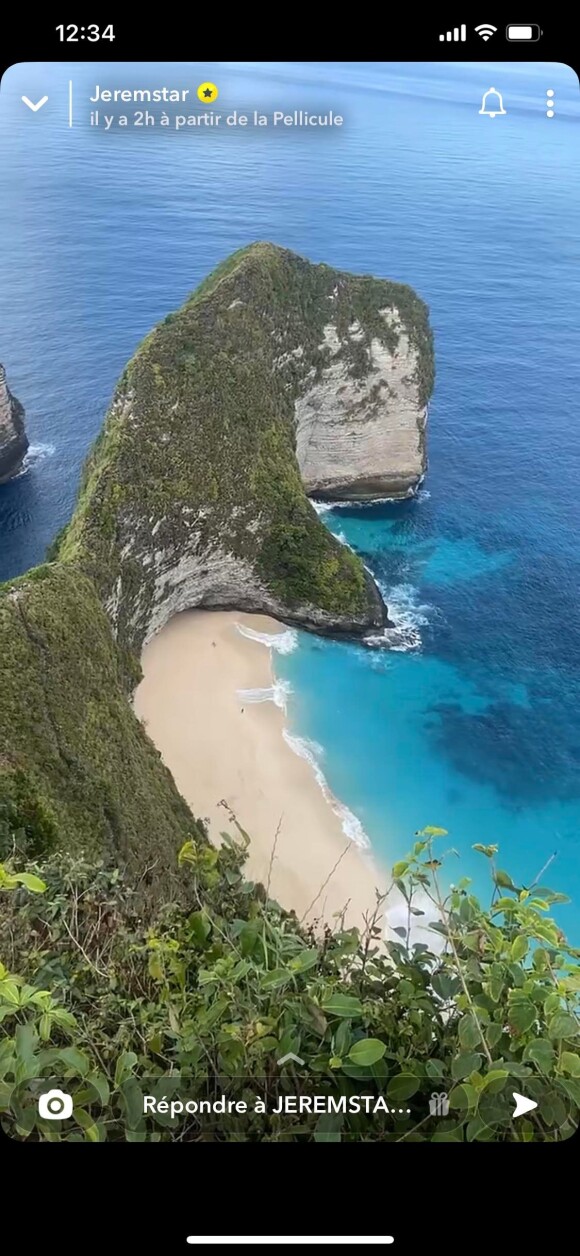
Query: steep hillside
[{"x": 76, "y": 767}]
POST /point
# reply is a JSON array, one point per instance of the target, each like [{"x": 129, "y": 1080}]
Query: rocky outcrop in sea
[{"x": 13, "y": 439}]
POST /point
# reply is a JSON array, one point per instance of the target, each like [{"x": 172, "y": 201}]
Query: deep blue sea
[{"x": 472, "y": 722}]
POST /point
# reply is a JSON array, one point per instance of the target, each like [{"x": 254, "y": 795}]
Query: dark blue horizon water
[{"x": 473, "y": 724}]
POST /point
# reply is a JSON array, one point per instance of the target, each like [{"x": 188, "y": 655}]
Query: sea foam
[
  {"x": 418, "y": 494},
  {"x": 408, "y": 616},
  {"x": 278, "y": 693},
  {"x": 34, "y": 455},
  {"x": 282, "y": 642},
  {"x": 311, "y": 752}
]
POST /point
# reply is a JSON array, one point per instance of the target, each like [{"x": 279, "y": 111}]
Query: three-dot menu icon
[{"x": 550, "y": 103}]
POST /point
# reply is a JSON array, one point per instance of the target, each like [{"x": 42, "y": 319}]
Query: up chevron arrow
[{"x": 31, "y": 105}]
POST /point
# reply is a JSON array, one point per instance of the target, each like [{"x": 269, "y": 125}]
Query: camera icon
[{"x": 55, "y": 1105}]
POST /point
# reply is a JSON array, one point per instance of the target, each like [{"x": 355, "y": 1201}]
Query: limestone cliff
[
  {"x": 277, "y": 376},
  {"x": 194, "y": 495},
  {"x": 13, "y": 441},
  {"x": 361, "y": 434}
]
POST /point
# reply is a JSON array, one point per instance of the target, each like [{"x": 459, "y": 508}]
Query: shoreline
[{"x": 211, "y": 704}]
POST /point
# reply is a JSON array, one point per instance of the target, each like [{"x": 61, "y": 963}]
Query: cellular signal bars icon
[{"x": 456, "y": 36}]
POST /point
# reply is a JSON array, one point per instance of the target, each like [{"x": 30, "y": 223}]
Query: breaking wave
[
  {"x": 419, "y": 494},
  {"x": 311, "y": 752},
  {"x": 35, "y": 455},
  {"x": 282, "y": 642},
  {"x": 408, "y": 616},
  {"x": 278, "y": 693}
]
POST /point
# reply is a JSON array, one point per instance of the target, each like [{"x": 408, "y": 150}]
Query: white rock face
[
  {"x": 209, "y": 578},
  {"x": 13, "y": 442},
  {"x": 362, "y": 435}
]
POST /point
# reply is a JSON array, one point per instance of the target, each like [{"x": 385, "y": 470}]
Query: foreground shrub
[{"x": 205, "y": 1003}]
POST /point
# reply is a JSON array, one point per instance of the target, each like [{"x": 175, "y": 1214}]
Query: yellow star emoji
[{"x": 207, "y": 93}]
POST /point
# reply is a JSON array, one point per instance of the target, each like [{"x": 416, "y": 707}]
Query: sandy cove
[{"x": 219, "y": 746}]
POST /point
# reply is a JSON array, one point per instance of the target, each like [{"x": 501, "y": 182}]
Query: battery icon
[{"x": 523, "y": 33}]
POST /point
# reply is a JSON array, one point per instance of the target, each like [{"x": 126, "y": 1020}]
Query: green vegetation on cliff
[{"x": 76, "y": 767}]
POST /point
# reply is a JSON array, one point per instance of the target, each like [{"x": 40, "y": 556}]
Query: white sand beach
[{"x": 221, "y": 747}]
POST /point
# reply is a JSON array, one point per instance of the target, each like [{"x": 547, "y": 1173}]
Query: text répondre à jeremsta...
[{"x": 285, "y": 1105}]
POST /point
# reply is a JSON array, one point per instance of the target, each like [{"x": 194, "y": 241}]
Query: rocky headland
[{"x": 275, "y": 380}]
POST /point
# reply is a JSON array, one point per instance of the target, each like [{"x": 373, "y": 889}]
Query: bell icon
[{"x": 492, "y": 103}]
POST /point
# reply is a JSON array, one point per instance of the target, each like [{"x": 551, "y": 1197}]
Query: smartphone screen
[{"x": 289, "y": 625}]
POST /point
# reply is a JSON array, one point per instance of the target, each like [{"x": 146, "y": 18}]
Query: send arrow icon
[
  {"x": 523, "y": 1104},
  {"x": 31, "y": 105}
]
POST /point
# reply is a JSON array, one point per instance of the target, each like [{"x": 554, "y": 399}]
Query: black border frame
[{"x": 149, "y": 1200}]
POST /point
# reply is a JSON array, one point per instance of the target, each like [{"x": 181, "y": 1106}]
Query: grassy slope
[{"x": 76, "y": 767}]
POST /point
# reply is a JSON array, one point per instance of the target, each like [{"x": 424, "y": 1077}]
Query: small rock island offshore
[
  {"x": 277, "y": 380},
  {"x": 13, "y": 440}
]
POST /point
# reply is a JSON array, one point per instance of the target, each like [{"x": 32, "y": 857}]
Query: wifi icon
[{"x": 485, "y": 31}]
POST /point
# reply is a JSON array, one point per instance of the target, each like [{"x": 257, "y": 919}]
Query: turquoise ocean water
[{"x": 470, "y": 721}]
